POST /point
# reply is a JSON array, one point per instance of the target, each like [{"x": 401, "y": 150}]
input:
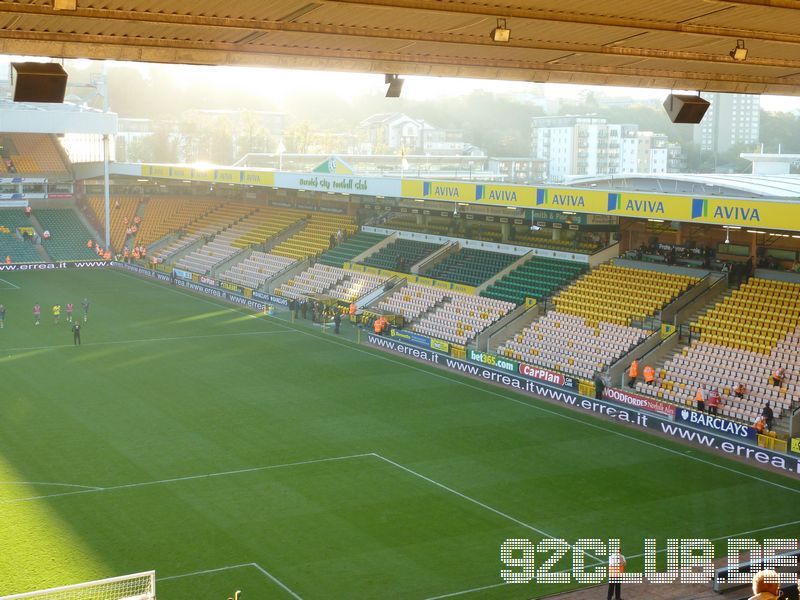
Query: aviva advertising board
[
  {"x": 768, "y": 214},
  {"x": 761, "y": 214}
]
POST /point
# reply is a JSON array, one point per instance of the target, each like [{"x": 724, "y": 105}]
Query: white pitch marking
[
  {"x": 186, "y": 478},
  {"x": 473, "y": 500},
  {"x": 14, "y": 286},
  {"x": 74, "y": 485},
  {"x": 204, "y": 572}
]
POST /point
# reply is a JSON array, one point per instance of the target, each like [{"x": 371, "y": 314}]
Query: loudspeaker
[
  {"x": 685, "y": 109},
  {"x": 39, "y": 82}
]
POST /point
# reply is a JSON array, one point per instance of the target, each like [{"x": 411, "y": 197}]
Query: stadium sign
[
  {"x": 721, "y": 440},
  {"x": 714, "y": 423},
  {"x": 643, "y": 402},
  {"x": 524, "y": 369}
]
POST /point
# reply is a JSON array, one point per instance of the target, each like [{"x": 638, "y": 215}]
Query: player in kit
[
  {"x": 70, "y": 308},
  {"x": 37, "y": 313},
  {"x": 2, "y": 316},
  {"x": 85, "y": 305},
  {"x": 56, "y": 313}
]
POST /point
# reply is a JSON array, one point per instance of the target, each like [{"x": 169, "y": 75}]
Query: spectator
[
  {"x": 599, "y": 386},
  {"x": 28, "y": 210},
  {"x": 649, "y": 375},
  {"x": 700, "y": 399},
  {"x": 332, "y": 241},
  {"x": 46, "y": 234},
  {"x": 748, "y": 268},
  {"x": 616, "y": 569},
  {"x": 739, "y": 391},
  {"x": 765, "y": 585},
  {"x": 714, "y": 400},
  {"x": 633, "y": 372},
  {"x": 760, "y": 424},
  {"x": 337, "y": 321},
  {"x": 768, "y": 415},
  {"x": 778, "y": 375}
]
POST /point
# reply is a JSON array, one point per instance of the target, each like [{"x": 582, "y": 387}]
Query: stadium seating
[
  {"x": 722, "y": 368},
  {"x": 350, "y": 248},
  {"x": 167, "y": 214},
  {"x": 122, "y": 207},
  {"x": 33, "y": 153},
  {"x": 266, "y": 223},
  {"x": 256, "y": 269},
  {"x": 621, "y": 294},
  {"x": 208, "y": 225},
  {"x": 355, "y": 285},
  {"x": 754, "y": 317},
  {"x": 544, "y": 239},
  {"x": 10, "y": 244},
  {"x": 408, "y": 222},
  {"x": 536, "y": 278},
  {"x": 470, "y": 266},
  {"x": 570, "y": 344},
  {"x": 68, "y": 234},
  {"x": 400, "y": 255},
  {"x": 332, "y": 281},
  {"x": 461, "y": 317},
  {"x": 742, "y": 340},
  {"x": 315, "y": 237},
  {"x": 442, "y": 313}
]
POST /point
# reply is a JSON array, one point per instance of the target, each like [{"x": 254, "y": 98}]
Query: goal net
[{"x": 139, "y": 586}]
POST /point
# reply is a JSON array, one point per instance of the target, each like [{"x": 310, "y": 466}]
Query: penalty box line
[{"x": 253, "y": 565}]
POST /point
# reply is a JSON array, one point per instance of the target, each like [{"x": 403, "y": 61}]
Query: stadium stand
[
  {"x": 315, "y": 237},
  {"x": 335, "y": 282},
  {"x": 742, "y": 340},
  {"x": 166, "y": 214},
  {"x": 209, "y": 224},
  {"x": 256, "y": 269},
  {"x": 68, "y": 234},
  {"x": 621, "y": 294},
  {"x": 400, "y": 255},
  {"x": 407, "y": 222},
  {"x": 11, "y": 244},
  {"x": 350, "y": 248},
  {"x": 442, "y": 313},
  {"x": 267, "y": 223},
  {"x": 122, "y": 208},
  {"x": 544, "y": 239},
  {"x": 470, "y": 266},
  {"x": 536, "y": 278},
  {"x": 571, "y": 344},
  {"x": 32, "y": 153}
]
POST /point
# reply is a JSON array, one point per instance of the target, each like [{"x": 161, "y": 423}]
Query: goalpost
[{"x": 139, "y": 586}]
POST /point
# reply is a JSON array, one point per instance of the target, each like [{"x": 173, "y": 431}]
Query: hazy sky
[{"x": 280, "y": 84}]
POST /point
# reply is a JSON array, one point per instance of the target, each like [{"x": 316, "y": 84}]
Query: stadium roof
[
  {"x": 785, "y": 187},
  {"x": 683, "y": 44}
]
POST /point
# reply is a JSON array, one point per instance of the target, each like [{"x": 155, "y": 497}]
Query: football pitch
[{"x": 229, "y": 450}]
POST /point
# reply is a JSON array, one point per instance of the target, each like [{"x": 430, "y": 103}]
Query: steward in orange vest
[
  {"x": 649, "y": 375},
  {"x": 633, "y": 372}
]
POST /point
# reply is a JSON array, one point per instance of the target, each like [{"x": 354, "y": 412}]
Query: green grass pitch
[{"x": 231, "y": 451}]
